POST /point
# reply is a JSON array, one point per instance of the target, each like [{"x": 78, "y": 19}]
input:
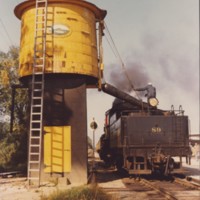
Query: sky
[{"x": 158, "y": 42}]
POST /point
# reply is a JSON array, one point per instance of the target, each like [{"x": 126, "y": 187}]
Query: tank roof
[{"x": 99, "y": 13}]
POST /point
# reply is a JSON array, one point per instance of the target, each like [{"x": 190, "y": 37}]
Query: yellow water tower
[
  {"x": 71, "y": 41},
  {"x": 72, "y": 61}
]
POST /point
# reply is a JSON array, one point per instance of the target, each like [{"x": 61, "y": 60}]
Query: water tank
[{"x": 71, "y": 39}]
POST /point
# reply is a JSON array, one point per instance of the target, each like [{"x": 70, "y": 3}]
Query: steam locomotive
[{"x": 142, "y": 138}]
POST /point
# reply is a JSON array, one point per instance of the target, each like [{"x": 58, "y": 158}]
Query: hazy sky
[{"x": 158, "y": 41}]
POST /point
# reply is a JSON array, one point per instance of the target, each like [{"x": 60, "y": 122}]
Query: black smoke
[{"x": 132, "y": 75}]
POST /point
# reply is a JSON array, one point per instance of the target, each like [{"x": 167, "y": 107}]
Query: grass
[{"x": 79, "y": 193}]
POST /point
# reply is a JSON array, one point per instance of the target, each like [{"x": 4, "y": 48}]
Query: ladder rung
[
  {"x": 39, "y": 66},
  {"x": 37, "y": 97},
  {"x": 35, "y": 129},
  {"x": 40, "y": 15},
  {"x": 35, "y": 137},
  {"x": 37, "y": 87},
  {"x": 34, "y": 162},
  {"x": 34, "y": 154},
  {"x": 37, "y": 90},
  {"x": 34, "y": 145},
  {"x": 34, "y": 170},
  {"x": 38, "y": 73},
  {"x": 36, "y": 66},
  {"x": 33, "y": 178},
  {"x": 38, "y": 1},
  {"x": 40, "y": 23},
  {"x": 36, "y": 105},
  {"x": 36, "y": 121},
  {"x": 36, "y": 113}
]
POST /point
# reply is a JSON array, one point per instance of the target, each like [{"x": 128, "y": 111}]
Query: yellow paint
[
  {"x": 57, "y": 149},
  {"x": 73, "y": 52}
]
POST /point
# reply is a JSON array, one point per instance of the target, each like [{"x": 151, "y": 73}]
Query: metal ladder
[
  {"x": 178, "y": 125},
  {"x": 37, "y": 94}
]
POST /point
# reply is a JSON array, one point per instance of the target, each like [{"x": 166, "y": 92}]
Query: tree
[{"x": 13, "y": 146}]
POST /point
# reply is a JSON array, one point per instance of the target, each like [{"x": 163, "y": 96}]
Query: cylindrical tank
[{"x": 71, "y": 41}]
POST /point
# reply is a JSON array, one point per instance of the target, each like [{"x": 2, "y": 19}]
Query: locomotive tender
[{"x": 143, "y": 139}]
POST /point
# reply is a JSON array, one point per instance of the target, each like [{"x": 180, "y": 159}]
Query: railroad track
[
  {"x": 155, "y": 189},
  {"x": 176, "y": 189},
  {"x": 147, "y": 188}
]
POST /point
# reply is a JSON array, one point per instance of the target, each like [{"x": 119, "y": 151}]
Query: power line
[
  {"x": 117, "y": 54},
  {"x": 6, "y": 40},
  {"x": 113, "y": 50},
  {"x": 8, "y": 36}
]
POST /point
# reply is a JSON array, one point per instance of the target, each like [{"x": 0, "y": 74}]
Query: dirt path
[{"x": 17, "y": 189}]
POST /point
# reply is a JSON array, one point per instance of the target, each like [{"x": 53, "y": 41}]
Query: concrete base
[{"x": 66, "y": 106}]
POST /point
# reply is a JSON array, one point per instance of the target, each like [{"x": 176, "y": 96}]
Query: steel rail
[{"x": 160, "y": 190}]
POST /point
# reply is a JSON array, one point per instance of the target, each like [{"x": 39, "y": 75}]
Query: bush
[
  {"x": 80, "y": 193},
  {"x": 13, "y": 153}
]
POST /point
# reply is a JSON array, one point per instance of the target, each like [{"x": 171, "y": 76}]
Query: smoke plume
[{"x": 133, "y": 75}]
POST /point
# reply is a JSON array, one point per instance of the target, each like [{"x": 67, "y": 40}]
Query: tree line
[{"x": 13, "y": 144}]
